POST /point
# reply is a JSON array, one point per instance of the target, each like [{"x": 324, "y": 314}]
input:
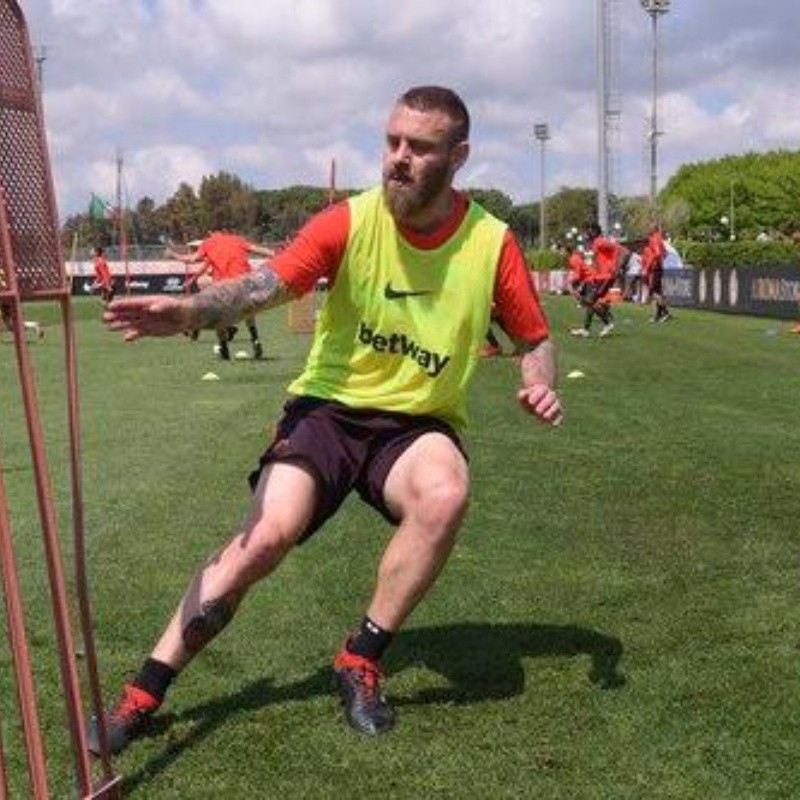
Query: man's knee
[
  {"x": 443, "y": 501},
  {"x": 268, "y": 551},
  {"x": 261, "y": 549}
]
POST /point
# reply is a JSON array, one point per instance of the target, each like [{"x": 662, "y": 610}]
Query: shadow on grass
[
  {"x": 480, "y": 661},
  {"x": 484, "y": 662},
  {"x": 207, "y": 717}
]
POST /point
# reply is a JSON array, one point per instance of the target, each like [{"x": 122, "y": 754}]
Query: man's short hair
[{"x": 440, "y": 98}]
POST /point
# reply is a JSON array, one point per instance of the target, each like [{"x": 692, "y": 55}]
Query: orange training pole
[
  {"x": 23, "y": 672},
  {"x": 31, "y": 267}
]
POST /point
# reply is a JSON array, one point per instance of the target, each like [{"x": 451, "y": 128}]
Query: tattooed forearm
[{"x": 224, "y": 303}]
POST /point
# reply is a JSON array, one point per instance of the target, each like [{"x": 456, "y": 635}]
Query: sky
[{"x": 273, "y": 90}]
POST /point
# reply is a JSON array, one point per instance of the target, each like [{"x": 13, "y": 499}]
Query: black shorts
[
  {"x": 597, "y": 291},
  {"x": 345, "y": 448},
  {"x": 584, "y": 291},
  {"x": 655, "y": 280}
]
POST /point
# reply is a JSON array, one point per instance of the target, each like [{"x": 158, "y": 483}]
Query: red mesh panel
[{"x": 25, "y": 181}]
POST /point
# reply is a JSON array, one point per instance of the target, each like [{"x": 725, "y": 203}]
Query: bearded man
[{"x": 414, "y": 268}]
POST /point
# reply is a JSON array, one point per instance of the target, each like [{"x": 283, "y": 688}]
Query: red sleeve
[
  {"x": 316, "y": 251},
  {"x": 607, "y": 254},
  {"x": 517, "y": 304},
  {"x": 657, "y": 243},
  {"x": 578, "y": 270},
  {"x": 647, "y": 260}
]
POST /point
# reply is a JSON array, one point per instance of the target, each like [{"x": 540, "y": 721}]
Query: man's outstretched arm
[{"x": 220, "y": 305}]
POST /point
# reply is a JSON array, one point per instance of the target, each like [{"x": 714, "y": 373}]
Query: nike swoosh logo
[{"x": 391, "y": 293}]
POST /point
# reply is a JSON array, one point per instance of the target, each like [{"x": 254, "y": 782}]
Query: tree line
[{"x": 747, "y": 197}]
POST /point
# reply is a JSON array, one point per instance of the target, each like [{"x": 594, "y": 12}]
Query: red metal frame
[{"x": 32, "y": 268}]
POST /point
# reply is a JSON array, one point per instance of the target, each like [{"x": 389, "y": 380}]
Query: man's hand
[
  {"x": 147, "y": 316},
  {"x": 537, "y": 397},
  {"x": 542, "y": 402}
]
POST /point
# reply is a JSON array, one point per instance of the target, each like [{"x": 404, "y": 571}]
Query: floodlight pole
[
  {"x": 602, "y": 114},
  {"x": 332, "y": 182},
  {"x": 542, "y": 133},
  {"x": 40, "y": 56},
  {"x": 654, "y": 9},
  {"x": 122, "y": 233}
]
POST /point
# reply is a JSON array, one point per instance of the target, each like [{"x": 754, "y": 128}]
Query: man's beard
[{"x": 405, "y": 198}]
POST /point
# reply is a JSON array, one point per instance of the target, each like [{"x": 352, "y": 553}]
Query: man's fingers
[{"x": 542, "y": 402}]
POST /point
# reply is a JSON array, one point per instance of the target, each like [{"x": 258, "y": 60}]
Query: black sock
[
  {"x": 253, "y": 331},
  {"x": 369, "y": 641},
  {"x": 155, "y": 677}
]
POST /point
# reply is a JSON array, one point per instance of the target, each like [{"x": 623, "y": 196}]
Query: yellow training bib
[{"x": 401, "y": 327}]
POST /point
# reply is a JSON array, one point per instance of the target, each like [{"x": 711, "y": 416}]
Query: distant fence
[
  {"x": 134, "y": 277},
  {"x": 136, "y": 284},
  {"x": 156, "y": 266},
  {"x": 763, "y": 292}
]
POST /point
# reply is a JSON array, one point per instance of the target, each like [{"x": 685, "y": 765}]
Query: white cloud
[
  {"x": 162, "y": 168},
  {"x": 273, "y": 89}
]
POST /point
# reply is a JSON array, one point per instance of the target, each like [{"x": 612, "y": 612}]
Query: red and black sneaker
[
  {"x": 130, "y": 715},
  {"x": 365, "y": 707}
]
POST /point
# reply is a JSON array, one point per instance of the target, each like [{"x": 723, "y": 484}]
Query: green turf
[{"x": 620, "y": 618}]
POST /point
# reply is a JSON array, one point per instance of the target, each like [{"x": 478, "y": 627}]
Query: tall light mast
[
  {"x": 608, "y": 104},
  {"x": 542, "y": 133},
  {"x": 655, "y": 9}
]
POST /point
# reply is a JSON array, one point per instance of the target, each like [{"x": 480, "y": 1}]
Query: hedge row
[
  {"x": 750, "y": 255},
  {"x": 716, "y": 255},
  {"x": 544, "y": 260}
]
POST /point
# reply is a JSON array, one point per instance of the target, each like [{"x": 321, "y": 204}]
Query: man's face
[{"x": 419, "y": 161}]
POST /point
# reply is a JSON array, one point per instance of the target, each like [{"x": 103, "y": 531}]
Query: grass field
[{"x": 620, "y": 618}]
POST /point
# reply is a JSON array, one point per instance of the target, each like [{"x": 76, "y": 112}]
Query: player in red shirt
[
  {"x": 579, "y": 273},
  {"x": 387, "y": 372},
  {"x": 103, "y": 281},
  {"x": 606, "y": 260},
  {"x": 656, "y": 251},
  {"x": 225, "y": 255}
]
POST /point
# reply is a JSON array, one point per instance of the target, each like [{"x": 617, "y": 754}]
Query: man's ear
[{"x": 459, "y": 155}]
